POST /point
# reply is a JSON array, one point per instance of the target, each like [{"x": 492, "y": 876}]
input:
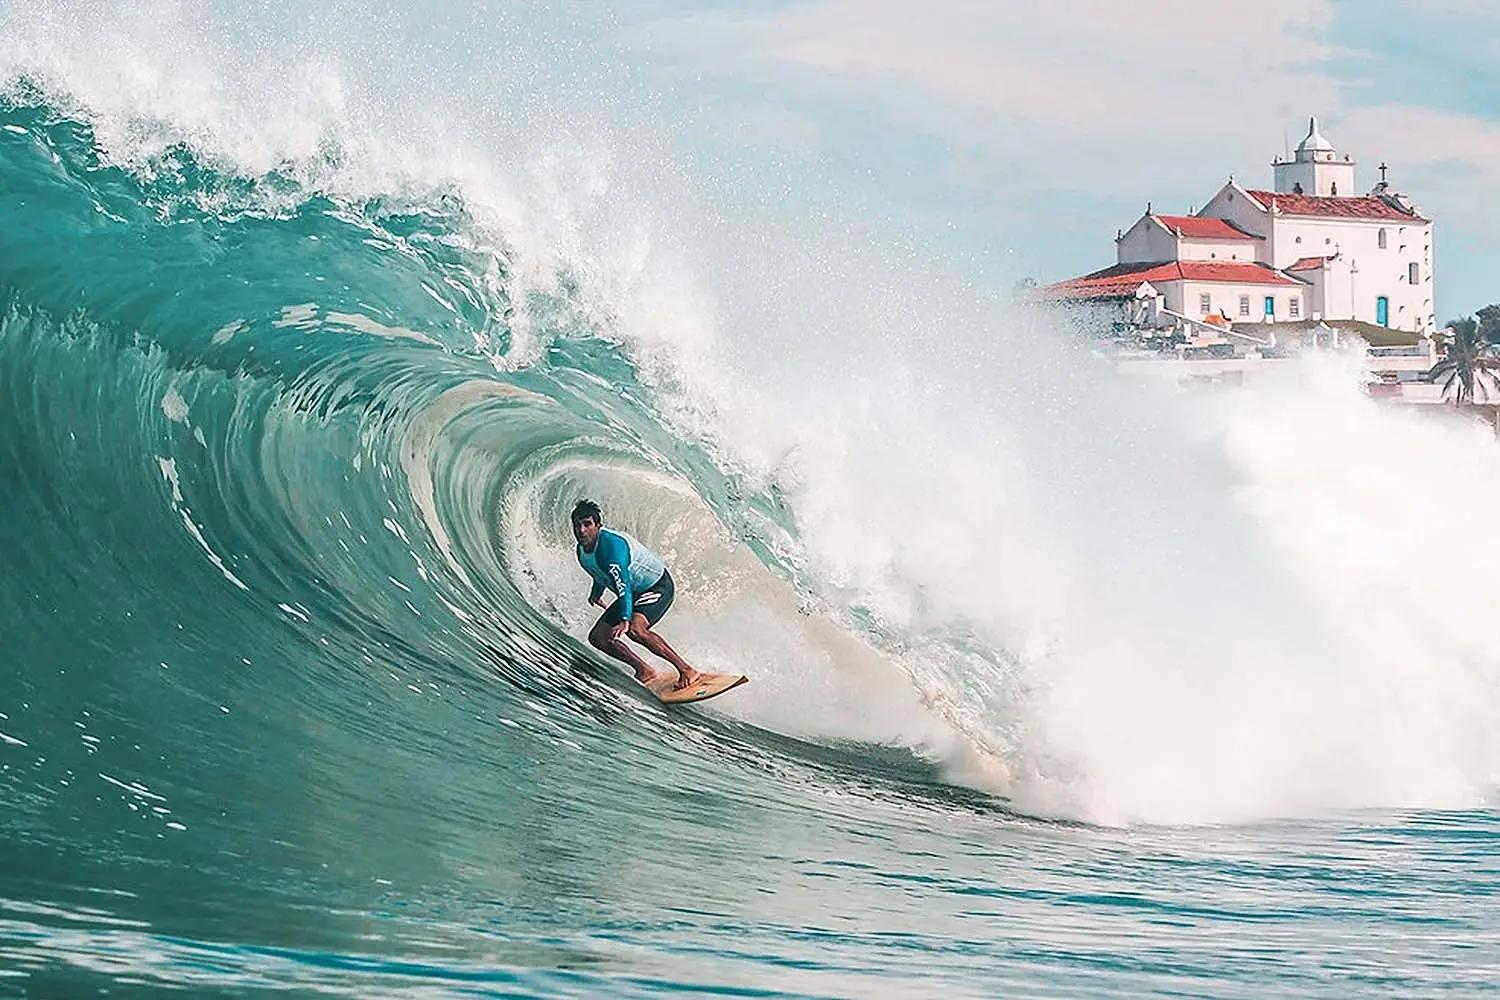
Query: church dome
[{"x": 1314, "y": 142}]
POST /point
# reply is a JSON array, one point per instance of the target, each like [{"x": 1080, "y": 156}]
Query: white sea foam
[{"x": 1199, "y": 607}]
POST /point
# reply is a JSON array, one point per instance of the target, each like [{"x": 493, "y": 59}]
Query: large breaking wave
[{"x": 295, "y": 434}]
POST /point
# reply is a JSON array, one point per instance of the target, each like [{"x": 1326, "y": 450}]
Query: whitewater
[{"x": 1064, "y": 683}]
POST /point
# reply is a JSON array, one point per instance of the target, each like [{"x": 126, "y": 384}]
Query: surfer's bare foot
[
  {"x": 686, "y": 678},
  {"x": 653, "y": 678}
]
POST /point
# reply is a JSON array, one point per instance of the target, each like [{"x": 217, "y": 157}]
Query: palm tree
[{"x": 1470, "y": 370}]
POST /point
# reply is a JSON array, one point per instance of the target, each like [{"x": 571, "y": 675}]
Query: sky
[{"x": 1018, "y": 137}]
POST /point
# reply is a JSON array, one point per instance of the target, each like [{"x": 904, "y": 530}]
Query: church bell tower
[{"x": 1315, "y": 169}]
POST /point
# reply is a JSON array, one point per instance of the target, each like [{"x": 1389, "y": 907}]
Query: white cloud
[
  {"x": 1218, "y": 84},
  {"x": 1093, "y": 64},
  {"x": 1449, "y": 161},
  {"x": 1186, "y": 73}
]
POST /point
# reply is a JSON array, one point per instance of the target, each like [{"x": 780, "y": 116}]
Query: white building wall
[
  {"x": 1145, "y": 242},
  {"x": 1233, "y": 204},
  {"x": 1316, "y": 293},
  {"x": 1323, "y": 177},
  {"x": 1366, "y": 270},
  {"x": 1225, "y": 296},
  {"x": 1336, "y": 296},
  {"x": 1390, "y": 273},
  {"x": 1428, "y": 297},
  {"x": 1195, "y": 248},
  {"x": 1293, "y": 237},
  {"x": 1171, "y": 296}
]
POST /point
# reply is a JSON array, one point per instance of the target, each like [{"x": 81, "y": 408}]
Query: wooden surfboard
[{"x": 707, "y": 686}]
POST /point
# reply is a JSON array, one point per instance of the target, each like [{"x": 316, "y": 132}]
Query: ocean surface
[{"x": 294, "y": 693}]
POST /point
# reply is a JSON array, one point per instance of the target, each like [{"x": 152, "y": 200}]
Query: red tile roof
[
  {"x": 1202, "y": 228},
  {"x": 1306, "y": 263},
  {"x": 1343, "y": 208},
  {"x": 1123, "y": 279},
  {"x": 1089, "y": 287},
  {"x": 1233, "y": 271}
]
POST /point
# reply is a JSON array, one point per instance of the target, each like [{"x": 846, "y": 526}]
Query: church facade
[{"x": 1308, "y": 249}]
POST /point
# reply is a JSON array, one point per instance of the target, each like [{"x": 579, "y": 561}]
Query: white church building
[{"x": 1311, "y": 249}]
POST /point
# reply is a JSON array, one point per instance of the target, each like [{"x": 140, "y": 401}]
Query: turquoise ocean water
[{"x": 293, "y": 696}]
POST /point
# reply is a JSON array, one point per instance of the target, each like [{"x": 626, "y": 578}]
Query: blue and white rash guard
[{"x": 623, "y": 565}]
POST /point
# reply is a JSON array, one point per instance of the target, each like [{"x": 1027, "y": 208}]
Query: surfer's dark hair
[{"x": 587, "y": 509}]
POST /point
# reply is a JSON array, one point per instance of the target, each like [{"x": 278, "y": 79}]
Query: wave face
[
  {"x": 289, "y": 585},
  {"x": 294, "y": 692}
]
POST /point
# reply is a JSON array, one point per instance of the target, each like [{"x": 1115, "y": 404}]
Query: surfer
[{"x": 639, "y": 577}]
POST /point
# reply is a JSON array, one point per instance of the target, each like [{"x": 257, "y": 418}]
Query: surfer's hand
[{"x": 618, "y": 630}]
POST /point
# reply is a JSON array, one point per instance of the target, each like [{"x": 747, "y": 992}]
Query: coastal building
[{"x": 1309, "y": 249}]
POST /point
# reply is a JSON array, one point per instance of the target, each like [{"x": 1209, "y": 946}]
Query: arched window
[
  {"x": 1380, "y": 239},
  {"x": 1333, "y": 189}
]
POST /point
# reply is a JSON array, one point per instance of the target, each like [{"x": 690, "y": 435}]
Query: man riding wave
[{"x": 619, "y": 563}]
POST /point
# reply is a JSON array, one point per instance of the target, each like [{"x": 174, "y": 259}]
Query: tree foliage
[
  {"x": 1470, "y": 369},
  {"x": 1488, "y": 321}
]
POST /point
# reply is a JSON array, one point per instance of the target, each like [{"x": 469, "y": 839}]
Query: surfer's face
[{"x": 586, "y": 531}]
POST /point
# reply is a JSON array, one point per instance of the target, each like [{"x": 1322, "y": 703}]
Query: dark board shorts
[{"x": 652, "y": 602}]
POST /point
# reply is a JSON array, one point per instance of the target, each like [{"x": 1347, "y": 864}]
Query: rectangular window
[
  {"x": 1244, "y": 305},
  {"x": 1271, "y": 305},
  {"x": 1412, "y": 273},
  {"x": 1205, "y": 304},
  {"x": 1294, "y": 307}
]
